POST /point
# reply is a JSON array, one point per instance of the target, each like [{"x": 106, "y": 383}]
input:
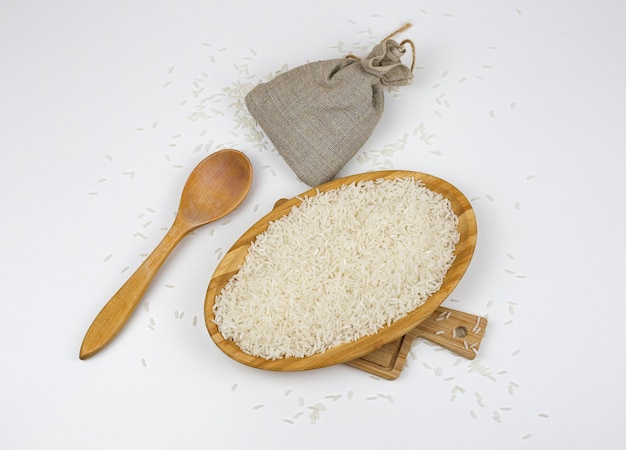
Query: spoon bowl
[{"x": 217, "y": 186}]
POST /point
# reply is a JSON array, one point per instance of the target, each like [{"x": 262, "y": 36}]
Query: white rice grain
[{"x": 477, "y": 325}]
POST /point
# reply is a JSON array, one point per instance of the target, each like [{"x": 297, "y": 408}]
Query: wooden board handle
[{"x": 459, "y": 332}]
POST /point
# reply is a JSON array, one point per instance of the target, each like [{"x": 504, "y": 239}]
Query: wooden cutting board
[{"x": 454, "y": 330}]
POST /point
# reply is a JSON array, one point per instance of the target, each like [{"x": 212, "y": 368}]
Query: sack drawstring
[{"x": 402, "y": 44}]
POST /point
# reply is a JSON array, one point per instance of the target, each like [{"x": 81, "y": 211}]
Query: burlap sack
[{"x": 318, "y": 115}]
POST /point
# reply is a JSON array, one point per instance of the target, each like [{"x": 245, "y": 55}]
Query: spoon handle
[{"x": 118, "y": 310}]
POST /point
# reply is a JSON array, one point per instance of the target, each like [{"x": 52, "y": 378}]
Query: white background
[{"x": 105, "y": 107}]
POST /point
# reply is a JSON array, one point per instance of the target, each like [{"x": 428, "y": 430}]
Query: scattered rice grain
[{"x": 318, "y": 407}]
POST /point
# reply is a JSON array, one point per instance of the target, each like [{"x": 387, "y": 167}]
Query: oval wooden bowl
[{"x": 231, "y": 262}]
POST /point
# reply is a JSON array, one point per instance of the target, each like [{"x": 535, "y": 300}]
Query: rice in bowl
[{"x": 341, "y": 265}]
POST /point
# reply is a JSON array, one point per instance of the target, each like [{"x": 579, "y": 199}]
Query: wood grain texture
[
  {"x": 459, "y": 332},
  {"x": 217, "y": 185},
  {"x": 350, "y": 351}
]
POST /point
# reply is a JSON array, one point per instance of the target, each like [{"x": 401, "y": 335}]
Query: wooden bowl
[{"x": 231, "y": 262}]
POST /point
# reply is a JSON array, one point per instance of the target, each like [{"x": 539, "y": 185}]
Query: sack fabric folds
[{"x": 320, "y": 114}]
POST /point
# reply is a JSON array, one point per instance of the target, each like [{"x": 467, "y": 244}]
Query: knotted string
[{"x": 402, "y": 44}]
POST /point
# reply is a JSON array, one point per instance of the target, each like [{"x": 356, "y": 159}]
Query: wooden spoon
[
  {"x": 350, "y": 351},
  {"x": 215, "y": 188}
]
